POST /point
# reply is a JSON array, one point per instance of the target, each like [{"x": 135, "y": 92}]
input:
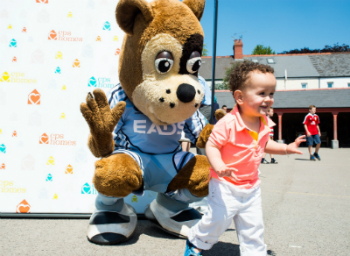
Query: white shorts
[{"x": 226, "y": 203}]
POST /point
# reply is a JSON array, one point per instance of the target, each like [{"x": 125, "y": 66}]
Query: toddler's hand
[
  {"x": 226, "y": 171},
  {"x": 293, "y": 147}
]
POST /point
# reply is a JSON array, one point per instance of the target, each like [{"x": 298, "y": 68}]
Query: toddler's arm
[
  {"x": 214, "y": 158},
  {"x": 272, "y": 147}
]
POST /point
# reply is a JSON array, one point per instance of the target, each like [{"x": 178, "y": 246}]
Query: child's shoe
[
  {"x": 312, "y": 158},
  {"x": 317, "y": 156},
  {"x": 273, "y": 161},
  {"x": 263, "y": 161},
  {"x": 190, "y": 250}
]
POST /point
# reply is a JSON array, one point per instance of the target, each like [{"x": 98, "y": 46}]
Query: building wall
[
  {"x": 339, "y": 82},
  {"x": 296, "y": 83}
]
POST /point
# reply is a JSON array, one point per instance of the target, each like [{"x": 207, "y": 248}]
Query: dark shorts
[{"x": 313, "y": 139}]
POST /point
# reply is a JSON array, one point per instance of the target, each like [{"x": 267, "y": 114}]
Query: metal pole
[{"x": 214, "y": 61}]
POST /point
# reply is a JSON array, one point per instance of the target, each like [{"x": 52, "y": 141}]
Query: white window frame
[
  {"x": 303, "y": 84},
  {"x": 330, "y": 83}
]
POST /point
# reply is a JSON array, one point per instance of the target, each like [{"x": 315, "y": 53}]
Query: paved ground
[{"x": 306, "y": 211}]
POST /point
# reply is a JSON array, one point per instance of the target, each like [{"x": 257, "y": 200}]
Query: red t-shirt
[{"x": 311, "y": 122}]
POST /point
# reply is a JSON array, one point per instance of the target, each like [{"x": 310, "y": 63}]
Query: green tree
[
  {"x": 225, "y": 83},
  {"x": 204, "y": 51},
  {"x": 262, "y": 50}
]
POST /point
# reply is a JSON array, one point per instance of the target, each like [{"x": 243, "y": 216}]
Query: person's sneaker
[
  {"x": 273, "y": 161},
  {"x": 263, "y": 161},
  {"x": 317, "y": 156},
  {"x": 190, "y": 250},
  {"x": 312, "y": 158}
]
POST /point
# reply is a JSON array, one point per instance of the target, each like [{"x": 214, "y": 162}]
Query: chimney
[{"x": 238, "y": 49}]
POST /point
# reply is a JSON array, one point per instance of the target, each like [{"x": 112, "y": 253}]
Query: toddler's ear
[
  {"x": 238, "y": 95},
  {"x": 127, "y": 10}
]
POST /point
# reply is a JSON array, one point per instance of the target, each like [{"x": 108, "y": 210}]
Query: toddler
[{"x": 234, "y": 150}]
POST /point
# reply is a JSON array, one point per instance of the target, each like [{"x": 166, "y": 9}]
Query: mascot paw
[
  {"x": 110, "y": 227},
  {"x": 175, "y": 223}
]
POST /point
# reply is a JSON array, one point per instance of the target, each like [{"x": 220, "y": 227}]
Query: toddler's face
[{"x": 257, "y": 96}]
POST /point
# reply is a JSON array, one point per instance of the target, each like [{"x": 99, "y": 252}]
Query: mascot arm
[
  {"x": 102, "y": 121},
  {"x": 205, "y": 133}
]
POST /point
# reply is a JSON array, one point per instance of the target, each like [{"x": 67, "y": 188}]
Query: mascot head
[{"x": 161, "y": 56}]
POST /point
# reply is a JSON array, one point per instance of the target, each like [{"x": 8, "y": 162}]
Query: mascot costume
[{"x": 136, "y": 128}]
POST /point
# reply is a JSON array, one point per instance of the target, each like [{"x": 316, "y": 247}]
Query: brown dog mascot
[{"x": 135, "y": 129}]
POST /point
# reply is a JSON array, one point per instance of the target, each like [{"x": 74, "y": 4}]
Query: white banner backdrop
[{"x": 53, "y": 52}]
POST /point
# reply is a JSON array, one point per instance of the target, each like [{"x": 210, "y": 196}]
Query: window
[
  {"x": 270, "y": 61},
  {"x": 304, "y": 85},
  {"x": 330, "y": 84},
  {"x": 348, "y": 84}
]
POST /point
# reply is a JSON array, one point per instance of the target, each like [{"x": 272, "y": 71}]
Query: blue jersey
[{"x": 135, "y": 131}]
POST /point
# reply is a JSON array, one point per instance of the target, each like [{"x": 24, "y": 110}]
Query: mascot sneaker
[
  {"x": 110, "y": 227},
  {"x": 175, "y": 223}
]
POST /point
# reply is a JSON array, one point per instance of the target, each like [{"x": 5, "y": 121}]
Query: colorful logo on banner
[
  {"x": 55, "y": 139},
  {"x": 115, "y": 38},
  {"x": 51, "y": 161},
  {"x": 59, "y": 55},
  {"x": 100, "y": 82},
  {"x": 69, "y": 170},
  {"x": 24, "y": 30},
  {"x": 34, "y": 98},
  {"x": 2, "y": 148},
  {"x": 14, "y": 59},
  {"x": 63, "y": 36},
  {"x": 70, "y": 15},
  {"x": 14, "y": 134},
  {"x": 76, "y": 63},
  {"x": 13, "y": 43},
  {"x": 49, "y": 177},
  {"x": 42, "y": 1},
  {"x": 2, "y": 167},
  {"x": 16, "y": 77},
  {"x": 23, "y": 207},
  {"x": 28, "y": 163},
  {"x": 63, "y": 116},
  {"x": 107, "y": 26},
  {"x": 88, "y": 189},
  {"x": 55, "y": 197},
  {"x": 98, "y": 39},
  {"x": 58, "y": 70},
  {"x": 117, "y": 52}
]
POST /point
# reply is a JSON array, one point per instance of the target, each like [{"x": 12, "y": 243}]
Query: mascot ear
[
  {"x": 128, "y": 9},
  {"x": 197, "y": 7}
]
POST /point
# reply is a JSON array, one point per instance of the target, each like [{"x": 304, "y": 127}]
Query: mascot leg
[
  {"x": 171, "y": 210},
  {"x": 114, "y": 221}
]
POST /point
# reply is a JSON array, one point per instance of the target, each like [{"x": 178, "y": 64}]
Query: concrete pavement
[{"x": 306, "y": 212}]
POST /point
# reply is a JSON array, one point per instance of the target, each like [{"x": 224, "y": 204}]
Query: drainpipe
[{"x": 285, "y": 79}]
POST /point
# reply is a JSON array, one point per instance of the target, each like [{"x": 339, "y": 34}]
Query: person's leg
[
  {"x": 185, "y": 146},
  {"x": 250, "y": 227},
  {"x": 263, "y": 160},
  {"x": 318, "y": 145},
  {"x": 218, "y": 218}
]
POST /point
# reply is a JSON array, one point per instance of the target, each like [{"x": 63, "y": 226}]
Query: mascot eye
[
  {"x": 194, "y": 62},
  {"x": 164, "y": 61}
]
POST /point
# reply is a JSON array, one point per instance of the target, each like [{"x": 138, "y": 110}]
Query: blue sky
[{"x": 280, "y": 24}]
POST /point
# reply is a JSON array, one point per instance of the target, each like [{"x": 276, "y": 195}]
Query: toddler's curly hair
[{"x": 241, "y": 74}]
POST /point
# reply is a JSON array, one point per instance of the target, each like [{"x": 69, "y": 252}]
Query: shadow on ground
[{"x": 302, "y": 159}]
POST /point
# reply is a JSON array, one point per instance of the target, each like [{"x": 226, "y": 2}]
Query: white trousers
[{"x": 227, "y": 203}]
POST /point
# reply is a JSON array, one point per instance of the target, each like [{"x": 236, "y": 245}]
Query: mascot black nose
[{"x": 186, "y": 93}]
